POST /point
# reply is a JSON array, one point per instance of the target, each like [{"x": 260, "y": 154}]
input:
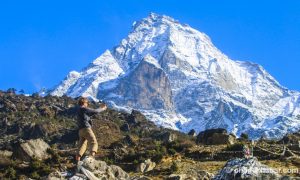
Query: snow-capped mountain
[{"x": 175, "y": 76}]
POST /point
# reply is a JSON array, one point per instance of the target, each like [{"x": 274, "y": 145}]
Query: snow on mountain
[
  {"x": 86, "y": 83},
  {"x": 176, "y": 76}
]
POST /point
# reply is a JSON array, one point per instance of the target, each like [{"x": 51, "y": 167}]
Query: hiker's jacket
[{"x": 83, "y": 116}]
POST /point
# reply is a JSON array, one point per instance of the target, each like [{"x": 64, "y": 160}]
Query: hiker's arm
[{"x": 91, "y": 111}]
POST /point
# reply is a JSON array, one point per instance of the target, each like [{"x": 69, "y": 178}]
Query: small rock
[
  {"x": 6, "y": 153},
  {"x": 141, "y": 167},
  {"x": 146, "y": 166}
]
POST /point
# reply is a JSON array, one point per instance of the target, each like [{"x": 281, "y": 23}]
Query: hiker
[{"x": 86, "y": 134}]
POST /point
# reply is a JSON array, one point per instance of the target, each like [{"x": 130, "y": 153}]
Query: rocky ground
[{"x": 38, "y": 139}]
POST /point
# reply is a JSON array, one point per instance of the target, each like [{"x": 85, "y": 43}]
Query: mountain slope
[{"x": 179, "y": 79}]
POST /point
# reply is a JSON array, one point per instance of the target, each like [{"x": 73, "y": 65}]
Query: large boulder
[
  {"x": 215, "y": 137},
  {"x": 246, "y": 169},
  {"x": 166, "y": 136},
  {"x": 31, "y": 149},
  {"x": 92, "y": 168}
]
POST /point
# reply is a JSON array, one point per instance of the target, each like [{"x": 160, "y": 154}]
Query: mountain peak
[
  {"x": 157, "y": 20},
  {"x": 176, "y": 76},
  {"x": 159, "y": 34},
  {"x": 161, "y": 18}
]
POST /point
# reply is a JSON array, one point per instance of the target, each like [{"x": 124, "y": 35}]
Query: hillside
[{"x": 125, "y": 140}]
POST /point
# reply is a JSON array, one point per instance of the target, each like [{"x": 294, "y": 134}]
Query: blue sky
[{"x": 42, "y": 40}]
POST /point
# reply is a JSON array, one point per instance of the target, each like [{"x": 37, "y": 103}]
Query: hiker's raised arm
[{"x": 91, "y": 111}]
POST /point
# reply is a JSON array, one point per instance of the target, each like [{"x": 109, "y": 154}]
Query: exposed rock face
[
  {"x": 34, "y": 148},
  {"x": 146, "y": 87},
  {"x": 215, "y": 137},
  {"x": 246, "y": 169},
  {"x": 146, "y": 166}
]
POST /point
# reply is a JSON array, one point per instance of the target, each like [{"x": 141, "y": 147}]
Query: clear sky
[{"x": 42, "y": 40}]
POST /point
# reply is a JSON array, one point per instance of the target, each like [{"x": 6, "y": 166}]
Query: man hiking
[{"x": 86, "y": 134}]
